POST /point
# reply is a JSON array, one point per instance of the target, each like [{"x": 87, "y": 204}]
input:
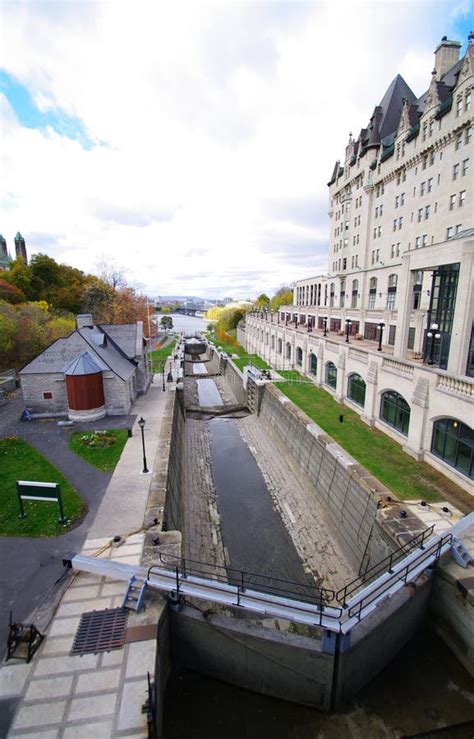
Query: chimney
[
  {"x": 446, "y": 56},
  {"x": 84, "y": 320}
]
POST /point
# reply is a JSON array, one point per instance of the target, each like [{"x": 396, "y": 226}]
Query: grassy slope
[
  {"x": 105, "y": 458},
  {"x": 161, "y": 354},
  {"x": 382, "y": 456},
  {"x": 244, "y": 358},
  {"x": 20, "y": 461}
]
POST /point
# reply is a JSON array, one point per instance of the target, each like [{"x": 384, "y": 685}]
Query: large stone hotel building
[{"x": 389, "y": 329}]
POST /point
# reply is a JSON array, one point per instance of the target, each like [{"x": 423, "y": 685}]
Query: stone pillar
[
  {"x": 463, "y": 314},
  {"x": 406, "y": 282},
  {"x": 341, "y": 376},
  {"x": 371, "y": 393},
  {"x": 418, "y": 419}
]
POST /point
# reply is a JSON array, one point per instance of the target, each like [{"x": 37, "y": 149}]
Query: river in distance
[{"x": 187, "y": 324}]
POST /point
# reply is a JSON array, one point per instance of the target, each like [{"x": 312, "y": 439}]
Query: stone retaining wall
[
  {"x": 336, "y": 479},
  {"x": 173, "y": 513}
]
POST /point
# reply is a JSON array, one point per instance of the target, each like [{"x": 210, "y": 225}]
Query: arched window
[
  {"x": 392, "y": 291},
  {"x": 356, "y": 389},
  {"x": 372, "y": 292},
  {"x": 395, "y": 411},
  {"x": 266, "y": 338},
  {"x": 313, "y": 364},
  {"x": 280, "y": 346},
  {"x": 273, "y": 342},
  {"x": 299, "y": 356},
  {"x": 331, "y": 375},
  {"x": 355, "y": 293},
  {"x": 288, "y": 350},
  {"x": 453, "y": 442}
]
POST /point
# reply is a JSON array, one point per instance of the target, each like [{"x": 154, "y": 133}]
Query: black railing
[
  {"x": 402, "y": 575},
  {"x": 385, "y": 565},
  {"x": 243, "y": 580}
]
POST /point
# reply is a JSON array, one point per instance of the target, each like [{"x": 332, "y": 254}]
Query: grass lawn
[
  {"x": 100, "y": 448},
  {"x": 159, "y": 355},
  {"x": 20, "y": 461},
  {"x": 244, "y": 358},
  {"x": 379, "y": 454}
]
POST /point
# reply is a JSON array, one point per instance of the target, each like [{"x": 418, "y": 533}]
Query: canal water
[
  {"x": 252, "y": 530},
  {"x": 187, "y": 324}
]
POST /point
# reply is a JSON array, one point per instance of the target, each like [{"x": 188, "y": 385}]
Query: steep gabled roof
[{"x": 392, "y": 104}]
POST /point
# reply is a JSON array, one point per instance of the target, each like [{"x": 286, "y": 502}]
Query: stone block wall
[
  {"x": 334, "y": 477},
  {"x": 119, "y": 394},
  {"x": 234, "y": 378},
  {"x": 35, "y": 385},
  {"x": 173, "y": 514}
]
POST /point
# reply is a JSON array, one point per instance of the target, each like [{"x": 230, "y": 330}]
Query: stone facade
[{"x": 396, "y": 307}]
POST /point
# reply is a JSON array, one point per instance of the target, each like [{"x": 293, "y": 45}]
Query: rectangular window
[
  {"x": 465, "y": 166},
  {"x": 420, "y": 214},
  {"x": 379, "y": 231},
  {"x": 381, "y": 209},
  {"x": 397, "y": 200},
  {"x": 422, "y": 188},
  {"x": 462, "y": 198},
  {"x": 424, "y": 239},
  {"x": 467, "y": 101},
  {"x": 397, "y": 250},
  {"x": 432, "y": 157},
  {"x": 452, "y": 201},
  {"x": 430, "y": 184},
  {"x": 427, "y": 211},
  {"x": 458, "y": 142},
  {"x": 392, "y": 251},
  {"x": 402, "y": 199},
  {"x": 375, "y": 233},
  {"x": 417, "y": 242},
  {"x": 377, "y": 254},
  {"x": 373, "y": 256},
  {"x": 424, "y": 162},
  {"x": 47, "y": 396},
  {"x": 458, "y": 228},
  {"x": 430, "y": 127},
  {"x": 449, "y": 232},
  {"x": 458, "y": 106},
  {"x": 456, "y": 171},
  {"x": 468, "y": 135},
  {"x": 395, "y": 225},
  {"x": 344, "y": 263},
  {"x": 400, "y": 222}
]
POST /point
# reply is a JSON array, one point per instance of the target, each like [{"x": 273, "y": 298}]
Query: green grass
[
  {"x": 244, "y": 358},
  {"x": 253, "y": 359},
  {"x": 101, "y": 449},
  {"x": 379, "y": 454},
  {"x": 161, "y": 355},
  {"x": 20, "y": 461}
]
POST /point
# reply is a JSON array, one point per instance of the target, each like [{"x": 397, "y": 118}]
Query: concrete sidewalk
[{"x": 96, "y": 695}]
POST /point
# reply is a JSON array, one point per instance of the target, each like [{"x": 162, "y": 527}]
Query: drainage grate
[{"x": 100, "y": 631}]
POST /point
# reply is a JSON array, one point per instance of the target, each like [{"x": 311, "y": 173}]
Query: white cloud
[{"x": 203, "y": 114}]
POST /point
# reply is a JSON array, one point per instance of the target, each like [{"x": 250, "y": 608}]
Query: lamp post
[
  {"x": 348, "y": 326},
  {"x": 381, "y": 327},
  {"x": 433, "y": 335},
  {"x": 163, "y": 364},
  {"x": 141, "y": 423},
  {"x": 325, "y": 325},
  {"x": 170, "y": 373}
]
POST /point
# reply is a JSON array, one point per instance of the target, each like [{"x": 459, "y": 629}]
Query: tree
[
  {"x": 11, "y": 293},
  {"x": 110, "y": 272},
  {"x": 262, "y": 301},
  {"x": 283, "y": 296},
  {"x": 166, "y": 323}
]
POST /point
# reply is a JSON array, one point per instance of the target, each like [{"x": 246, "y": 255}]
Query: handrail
[
  {"x": 385, "y": 565},
  {"x": 367, "y": 597},
  {"x": 243, "y": 579}
]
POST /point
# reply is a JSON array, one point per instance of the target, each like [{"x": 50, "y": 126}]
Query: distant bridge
[{"x": 199, "y": 312}]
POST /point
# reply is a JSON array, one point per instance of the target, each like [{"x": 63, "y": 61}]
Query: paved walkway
[{"x": 96, "y": 695}]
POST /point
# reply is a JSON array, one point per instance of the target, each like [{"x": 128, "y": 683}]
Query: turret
[{"x": 20, "y": 248}]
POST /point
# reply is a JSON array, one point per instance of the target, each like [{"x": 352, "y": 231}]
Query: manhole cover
[{"x": 100, "y": 631}]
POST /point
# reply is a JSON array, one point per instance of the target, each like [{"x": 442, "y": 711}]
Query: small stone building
[{"x": 97, "y": 370}]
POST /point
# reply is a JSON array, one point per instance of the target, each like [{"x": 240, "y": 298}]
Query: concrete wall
[
  {"x": 337, "y": 482},
  {"x": 162, "y": 667},
  {"x": 280, "y": 664},
  {"x": 173, "y": 514},
  {"x": 378, "y": 639},
  {"x": 234, "y": 378},
  {"x": 119, "y": 395}
]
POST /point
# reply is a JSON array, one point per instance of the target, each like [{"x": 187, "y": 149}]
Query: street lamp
[
  {"x": 381, "y": 327},
  {"x": 348, "y": 326},
  {"x": 141, "y": 423},
  {"x": 163, "y": 364},
  {"x": 170, "y": 373},
  {"x": 433, "y": 335},
  {"x": 325, "y": 325}
]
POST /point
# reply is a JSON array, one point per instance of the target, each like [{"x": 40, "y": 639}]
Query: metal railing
[
  {"x": 243, "y": 580},
  {"x": 414, "y": 566},
  {"x": 385, "y": 565}
]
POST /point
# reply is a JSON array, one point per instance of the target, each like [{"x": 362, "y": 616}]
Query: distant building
[
  {"x": 5, "y": 259},
  {"x": 20, "y": 252},
  {"x": 400, "y": 273},
  {"x": 97, "y": 370},
  {"x": 20, "y": 248}
]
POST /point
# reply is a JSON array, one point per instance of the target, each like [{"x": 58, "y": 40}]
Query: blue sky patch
[{"x": 31, "y": 117}]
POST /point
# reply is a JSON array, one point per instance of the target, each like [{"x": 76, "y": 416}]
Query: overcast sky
[{"x": 191, "y": 142}]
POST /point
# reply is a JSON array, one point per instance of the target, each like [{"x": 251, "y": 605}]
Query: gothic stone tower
[{"x": 20, "y": 248}]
